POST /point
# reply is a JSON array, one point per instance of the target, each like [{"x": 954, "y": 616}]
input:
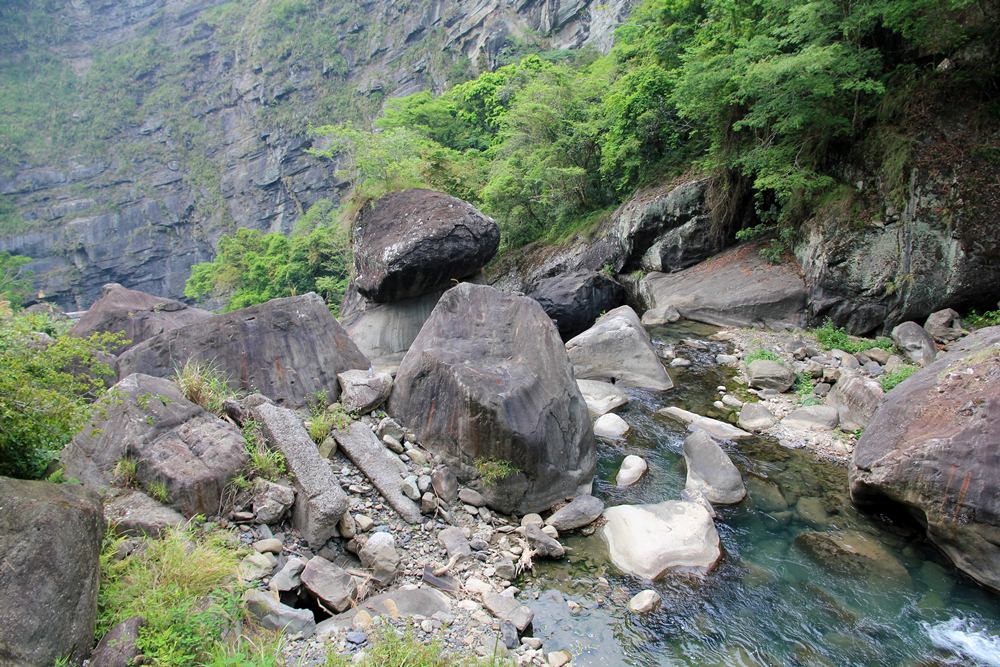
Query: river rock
[
  {"x": 173, "y": 442},
  {"x": 289, "y": 577},
  {"x": 852, "y": 553},
  {"x": 50, "y": 545},
  {"x": 455, "y": 543},
  {"x": 363, "y": 391},
  {"x": 287, "y": 349},
  {"x": 274, "y": 615},
  {"x": 756, "y": 417},
  {"x": 631, "y": 471},
  {"x": 601, "y": 397},
  {"x": 444, "y": 483},
  {"x": 543, "y": 544},
  {"x": 380, "y": 556},
  {"x": 645, "y": 601},
  {"x": 812, "y": 418},
  {"x": 767, "y": 374},
  {"x": 488, "y": 378},
  {"x": 134, "y": 513},
  {"x": 136, "y": 315},
  {"x": 710, "y": 472},
  {"x": 610, "y": 427},
  {"x": 661, "y": 316},
  {"x": 416, "y": 241},
  {"x": 944, "y": 326},
  {"x": 714, "y": 427},
  {"x": 397, "y": 603},
  {"x": 735, "y": 288},
  {"x": 271, "y": 501},
  {"x": 856, "y": 398},
  {"x": 649, "y": 540},
  {"x": 618, "y": 349},
  {"x": 931, "y": 447},
  {"x": 581, "y": 511},
  {"x": 332, "y": 586},
  {"x": 576, "y": 299},
  {"x": 915, "y": 342},
  {"x": 507, "y": 608},
  {"x": 118, "y": 647}
]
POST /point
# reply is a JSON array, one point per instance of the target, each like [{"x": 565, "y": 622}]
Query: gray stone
[
  {"x": 289, "y": 577},
  {"x": 399, "y": 603},
  {"x": 417, "y": 241},
  {"x": 444, "y": 483},
  {"x": 270, "y": 545},
  {"x": 710, "y": 472},
  {"x": 856, "y": 399},
  {"x": 601, "y": 397},
  {"x": 118, "y": 647},
  {"x": 714, "y": 427},
  {"x": 878, "y": 355},
  {"x": 502, "y": 389},
  {"x": 332, "y": 586},
  {"x": 574, "y": 300},
  {"x": 380, "y": 556},
  {"x": 319, "y": 500},
  {"x": 508, "y": 635},
  {"x": 173, "y": 442},
  {"x": 409, "y": 487},
  {"x": 363, "y": 391},
  {"x": 274, "y": 615},
  {"x": 944, "y": 326},
  {"x": 756, "y": 417},
  {"x": 915, "y": 343},
  {"x": 271, "y": 501},
  {"x": 471, "y": 497},
  {"x": 393, "y": 444},
  {"x": 367, "y": 453},
  {"x": 767, "y": 374},
  {"x": 618, "y": 349},
  {"x": 581, "y": 511},
  {"x": 388, "y": 426},
  {"x": 812, "y": 417},
  {"x": 506, "y": 608},
  {"x": 50, "y": 544},
  {"x": 256, "y": 566},
  {"x": 544, "y": 545},
  {"x": 134, "y": 513},
  {"x": 632, "y": 469},
  {"x": 287, "y": 349},
  {"x": 658, "y": 317},
  {"x": 455, "y": 543}
]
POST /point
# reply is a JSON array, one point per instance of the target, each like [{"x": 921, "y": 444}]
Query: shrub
[
  {"x": 264, "y": 461},
  {"x": 760, "y": 354},
  {"x": 830, "y": 337},
  {"x": 493, "y": 470},
  {"x": 324, "y": 421},
  {"x": 889, "y": 381},
  {"x": 975, "y": 320},
  {"x": 158, "y": 491},
  {"x": 202, "y": 383}
]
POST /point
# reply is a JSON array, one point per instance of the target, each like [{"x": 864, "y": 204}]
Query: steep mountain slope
[{"x": 139, "y": 132}]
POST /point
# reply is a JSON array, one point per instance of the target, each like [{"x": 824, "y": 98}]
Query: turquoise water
[{"x": 767, "y": 603}]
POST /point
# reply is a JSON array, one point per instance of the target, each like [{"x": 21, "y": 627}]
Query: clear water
[{"x": 767, "y": 603}]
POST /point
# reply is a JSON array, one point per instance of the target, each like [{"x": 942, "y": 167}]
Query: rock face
[
  {"x": 915, "y": 342},
  {"x": 173, "y": 442},
  {"x": 618, "y": 349},
  {"x": 649, "y": 540},
  {"x": 50, "y": 544},
  {"x": 735, "y": 288},
  {"x": 287, "y": 349},
  {"x": 417, "y": 241},
  {"x": 931, "y": 447},
  {"x": 488, "y": 378},
  {"x": 575, "y": 300},
  {"x": 710, "y": 472},
  {"x": 135, "y": 314},
  {"x": 385, "y": 331}
]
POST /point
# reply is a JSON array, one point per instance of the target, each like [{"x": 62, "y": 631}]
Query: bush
[
  {"x": 830, "y": 337},
  {"x": 493, "y": 470},
  {"x": 47, "y": 385},
  {"x": 760, "y": 354},
  {"x": 975, "y": 320},
  {"x": 890, "y": 381}
]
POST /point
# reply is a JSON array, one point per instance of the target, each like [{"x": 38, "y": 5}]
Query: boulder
[
  {"x": 735, "y": 288},
  {"x": 385, "y": 331},
  {"x": 287, "y": 349},
  {"x": 455, "y": 543},
  {"x": 543, "y": 544},
  {"x": 319, "y": 500},
  {"x": 944, "y": 326},
  {"x": 273, "y": 615},
  {"x": 581, "y": 511},
  {"x": 271, "y": 501},
  {"x": 417, "y": 241},
  {"x": 174, "y": 443},
  {"x": 632, "y": 469},
  {"x": 118, "y": 647},
  {"x": 812, "y": 418},
  {"x": 50, "y": 546},
  {"x": 136, "y": 315},
  {"x": 380, "y": 556},
  {"x": 767, "y": 374},
  {"x": 856, "y": 398},
  {"x": 658, "y": 317},
  {"x": 852, "y": 553},
  {"x": 610, "y": 427},
  {"x": 932, "y": 448},
  {"x": 507, "y": 608},
  {"x": 601, "y": 397},
  {"x": 575, "y": 300},
  {"x": 618, "y": 349},
  {"x": 755, "y": 417},
  {"x": 136, "y": 514},
  {"x": 710, "y": 472},
  {"x": 488, "y": 378},
  {"x": 649, "y": 540},
  {"x": 380, "y": 466},
  {"x": 331, "y": 585},
  {"x": 363, "y": 391},
  {"x": 915, "y": 342},
  {"x": 714, "y": 427}
]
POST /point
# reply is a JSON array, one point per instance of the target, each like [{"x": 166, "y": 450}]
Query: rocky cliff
[{"x": 169, "y": 122}]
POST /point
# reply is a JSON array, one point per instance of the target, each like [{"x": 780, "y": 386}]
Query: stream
[{"x": 767, "y": 602}]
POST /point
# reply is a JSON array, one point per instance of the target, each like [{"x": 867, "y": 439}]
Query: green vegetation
[
  {"x": 830, "y": 337},
  {"x": 253, "y": 267},
  {"x": 324, "y": 420},
  {"x": 760, "y": 354},
  {"x": 492, "y": 470},
  {"x": 975, "y": 320},
  {"x": 402, "y": 649},
  {"x": 202, "y": 383},
  {"x": 48, "y": 382},
  {"x": 15, "y": 281},
  {"x": 264, "y": 462},
  {"x": 126, "y": 471},
  {"x": 890, "y": 381},
  {"x": 158, "y": 491},
  {"x": 804, "y": 385}
]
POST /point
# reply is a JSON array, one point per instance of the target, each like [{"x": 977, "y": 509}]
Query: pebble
[{"x": 357, "y": 637}]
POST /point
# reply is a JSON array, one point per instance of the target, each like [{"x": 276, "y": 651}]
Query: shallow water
[{"x": 767, "y": 603}]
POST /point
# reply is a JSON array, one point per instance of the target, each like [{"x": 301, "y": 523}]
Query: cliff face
[{"x": 184, "y": 119}]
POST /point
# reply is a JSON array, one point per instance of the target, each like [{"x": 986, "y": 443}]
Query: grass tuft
[
  {"x": 204, "y": 384},
  {"x": 264, "y": 461},
  {"x": 830, "y": 337},
  {"x": 760, "y": 354},
  {"x": 493, "y": 470},
  {"x": 890, "y": 381}
]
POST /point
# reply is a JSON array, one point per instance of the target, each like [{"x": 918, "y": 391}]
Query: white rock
[
  {"x": 610, "y": 427},
  {"x": 633, "y": 468},
  {"x": 645, "y": 601},
  {"x": 714, "y": 427},
  {"x": 601, "y": 397}
]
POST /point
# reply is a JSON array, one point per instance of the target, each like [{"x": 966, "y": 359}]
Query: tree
[{"x": 15, "y": 280}]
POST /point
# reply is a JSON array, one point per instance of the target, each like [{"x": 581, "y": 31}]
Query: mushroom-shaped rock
[
  {"x": 488, "y": 379},
  {"x": 710, "y": 472},
  {"x": 618, "y": 348},
  {"x": 416, "y": 241}
]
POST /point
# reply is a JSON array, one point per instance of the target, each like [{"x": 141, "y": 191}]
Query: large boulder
[
  {"x": 944, "y": 326},
  {"x": 173, "y": 442},
  {"x": 915, "y": 343},
  {"x": 735, "y": 288},
  {"x": 287, "y": 349},
  {"x": 136, "y": 315},
  {"x": 50, "y": 545},
  {"x": 856, "y": 399},
  {"x": 618, "y": 349},
  {"x": 417, "y": 241},
  {"x": 710, "y": 472},
  {"x": 932, "y": 447},
  {"x": 649, "y": 540},
  {"x": 385, "y": 331},
  {"x": 488, "y": 378},
  {"x": 768, "y": 374},
  {"x": 575, "y": 300}
]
